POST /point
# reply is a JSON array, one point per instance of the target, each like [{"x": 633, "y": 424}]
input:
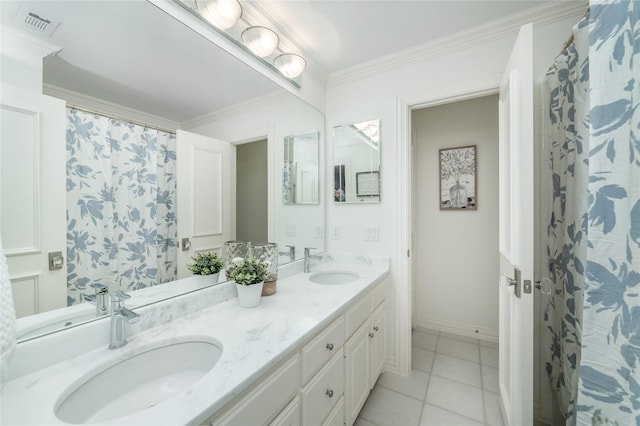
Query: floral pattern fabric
[
  {"x": 567, "y": 231},
  {"x": 609, "y": 388},
  {"x": 121, "y": 220}
]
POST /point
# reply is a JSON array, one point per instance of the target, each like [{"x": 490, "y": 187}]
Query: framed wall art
[
  {"x": 368, "y": 184},
  {"x": 458, "y": 178}
]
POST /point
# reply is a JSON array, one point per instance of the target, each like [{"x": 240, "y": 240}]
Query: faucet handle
[
  {"x": 307, "y": 250},
  {"x": 100, "y": 288},
  {"x": 119, "y": 296}
]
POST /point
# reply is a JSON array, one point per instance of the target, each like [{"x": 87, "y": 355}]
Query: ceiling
[{"x": 131, "y": 53}]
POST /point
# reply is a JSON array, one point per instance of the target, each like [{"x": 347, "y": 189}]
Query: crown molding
[
  {"x": 100, "y": 106},
  {"x": 540, "y": 15},
  {"x": 237, "y": 109}
]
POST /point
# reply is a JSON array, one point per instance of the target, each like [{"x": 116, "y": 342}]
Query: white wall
[
  {"x": 455, "y": 256},
  {"x": 464, "y": 62}
]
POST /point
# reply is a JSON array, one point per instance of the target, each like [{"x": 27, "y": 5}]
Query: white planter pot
[
  {"x": 249, "y": 295},
  {"x": 207, "y": 280}
]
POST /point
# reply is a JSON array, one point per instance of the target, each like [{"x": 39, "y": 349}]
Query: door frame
[
  {"x": 271, "y": 176},
  {"x": 464, "y": 90}
]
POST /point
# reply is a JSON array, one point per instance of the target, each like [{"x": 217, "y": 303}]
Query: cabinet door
[
  {"x": 357, "y": 368},
  {"x": 378, "y": 343}
]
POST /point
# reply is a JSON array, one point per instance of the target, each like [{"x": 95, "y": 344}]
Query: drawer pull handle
[
  {"x": 371, "y": 335},
  {"x": 329, "y": 393},
  {"x": 330, "y": 346},
  {"x": 375, "y": 328}
]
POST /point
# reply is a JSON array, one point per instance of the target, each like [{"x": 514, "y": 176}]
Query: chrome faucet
[
  {"x": 291, "y": 252},
  {"x": 120, "y": 315},
  {"x": 307, "y": 258},
  {"x": 100, "y": 299}
]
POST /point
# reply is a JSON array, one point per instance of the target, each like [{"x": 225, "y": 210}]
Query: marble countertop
[{"x": 253, "y": 340}]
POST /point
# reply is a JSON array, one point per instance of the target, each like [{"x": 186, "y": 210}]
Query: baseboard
[
  {"x": 391, "y": 364},
  {"x": 468, "y": 330}
]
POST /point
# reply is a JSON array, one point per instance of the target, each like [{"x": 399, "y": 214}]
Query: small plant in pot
[
  {"x": 206, "y": 264},
  {"x": 249, "y": 274}
]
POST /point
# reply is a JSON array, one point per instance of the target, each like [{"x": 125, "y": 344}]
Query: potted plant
[
  {"x": 249, "y": 274},
  {"x": 208, "y": 264}
]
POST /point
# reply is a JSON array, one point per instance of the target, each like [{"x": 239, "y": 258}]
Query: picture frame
[
  {"x": 458, "y": 178},
  {"x": 368, "y": 184}
]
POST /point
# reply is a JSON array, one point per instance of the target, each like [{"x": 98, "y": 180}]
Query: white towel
[{"x": 7, "y": 319}]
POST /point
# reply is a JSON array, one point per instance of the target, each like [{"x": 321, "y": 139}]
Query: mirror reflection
[
  {"x": 258, "y": 110},
  {"x": 300, "y": 184},
  {"x": 356, "y": 162}
]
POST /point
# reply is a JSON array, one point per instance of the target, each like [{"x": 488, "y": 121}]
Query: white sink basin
[
  {"x": 141, "y": 381},
  {"x": 333, "y": 277}
]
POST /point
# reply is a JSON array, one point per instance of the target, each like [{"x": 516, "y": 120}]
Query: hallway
[{"x": 454, "y": 381}]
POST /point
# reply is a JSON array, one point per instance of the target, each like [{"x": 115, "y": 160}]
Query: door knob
[{"x": 544, "y": 285}]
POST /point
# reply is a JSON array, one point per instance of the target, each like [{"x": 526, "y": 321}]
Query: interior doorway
[
  {"x": 252, "y": 209},
  {"x": 455, "y": 258}
]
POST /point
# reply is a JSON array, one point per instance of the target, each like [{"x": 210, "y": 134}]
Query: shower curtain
[
  {"x": 592, "y": 317},
  {"x": 121, "y": 221}
]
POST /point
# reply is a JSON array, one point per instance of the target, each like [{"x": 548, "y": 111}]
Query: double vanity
[{"x": 307, "y": 355}]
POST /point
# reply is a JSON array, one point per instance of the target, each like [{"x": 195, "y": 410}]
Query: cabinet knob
[
  {"x": 371, "y": 335},
  {"x": 375, "y": 328},
  {"x": 329, "y": 393},
  {"x": 330, "y": 346}
]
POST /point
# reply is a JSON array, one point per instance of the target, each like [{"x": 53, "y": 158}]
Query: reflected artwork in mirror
[
  {"x": 300, "y": 183},
  {"x": 356, "y": 162}
]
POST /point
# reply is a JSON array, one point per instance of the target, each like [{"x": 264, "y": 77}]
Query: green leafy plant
[
  {"x": 249, "y": 271},
  {"x": 206, "y": 264}
]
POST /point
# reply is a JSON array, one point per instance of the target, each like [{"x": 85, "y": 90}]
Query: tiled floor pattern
[{"x": 454, "y": 381}]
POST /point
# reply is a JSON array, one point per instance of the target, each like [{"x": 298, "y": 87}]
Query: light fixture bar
[{"x": 190, "y": 17}]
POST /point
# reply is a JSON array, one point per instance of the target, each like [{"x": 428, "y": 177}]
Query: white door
[
  {"x": 516, "y": 233},
  {"x": 33, "y": 198},
  {"x": 206, "y": 195}
]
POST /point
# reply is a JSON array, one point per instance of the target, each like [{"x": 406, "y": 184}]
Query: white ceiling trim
[
  {"x": 100, "y": 106},
  {"x": 237, "y": 109},
  {"x": 541, "y": 15},
  {"x": 25, "y": 47}
]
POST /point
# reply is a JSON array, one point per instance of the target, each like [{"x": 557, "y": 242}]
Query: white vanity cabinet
[
  {"x": 364, "y": 351},
  {"x": 328, "y": 379}
]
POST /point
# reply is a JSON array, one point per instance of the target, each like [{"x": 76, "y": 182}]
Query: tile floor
[{"x": 454, "y": 381}]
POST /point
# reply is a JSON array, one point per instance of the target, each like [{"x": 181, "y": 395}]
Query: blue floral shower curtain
[
  {"x": 121, "y": 221},
  {"x": 593, "y": 315},
  {"x": 568, "y": 137}
]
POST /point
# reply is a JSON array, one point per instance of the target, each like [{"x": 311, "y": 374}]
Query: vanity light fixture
[
  {"x": 221, "y": 13},
  {"x": 260, "y": 40},
  {"x": 290, "y": 65}
]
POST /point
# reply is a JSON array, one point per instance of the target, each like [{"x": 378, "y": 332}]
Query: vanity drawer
[
  {"x": 323, "y": 392},
  {"x": 378, "y": 294},
  {"x": 357, "y": 315},
  {"x": 266, "y": 399},
  {"x": 321, "y": 348},
  {"x": 336, "y": 417}
]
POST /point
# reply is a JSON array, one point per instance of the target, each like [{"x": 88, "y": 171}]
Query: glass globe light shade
[
  {"x": 260, "y": 40},
  {"x": 290, "y": 64},
  {"x": 221, "y": 13}
]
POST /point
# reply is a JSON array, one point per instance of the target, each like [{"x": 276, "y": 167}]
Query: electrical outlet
[
  {"x": 319, "y": 232},
  {"x": 372, "y": 233},
  {"x": 335, "y": 232}
]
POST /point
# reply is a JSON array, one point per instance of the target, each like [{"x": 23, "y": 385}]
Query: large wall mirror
[
  {"x": 356, "y": 162},
  {"x": 120, "y": 53},
  {"x": 300, "y": 178}
]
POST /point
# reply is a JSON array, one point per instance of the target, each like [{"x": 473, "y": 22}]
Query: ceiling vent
[{"x": 35, "y": 22}]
